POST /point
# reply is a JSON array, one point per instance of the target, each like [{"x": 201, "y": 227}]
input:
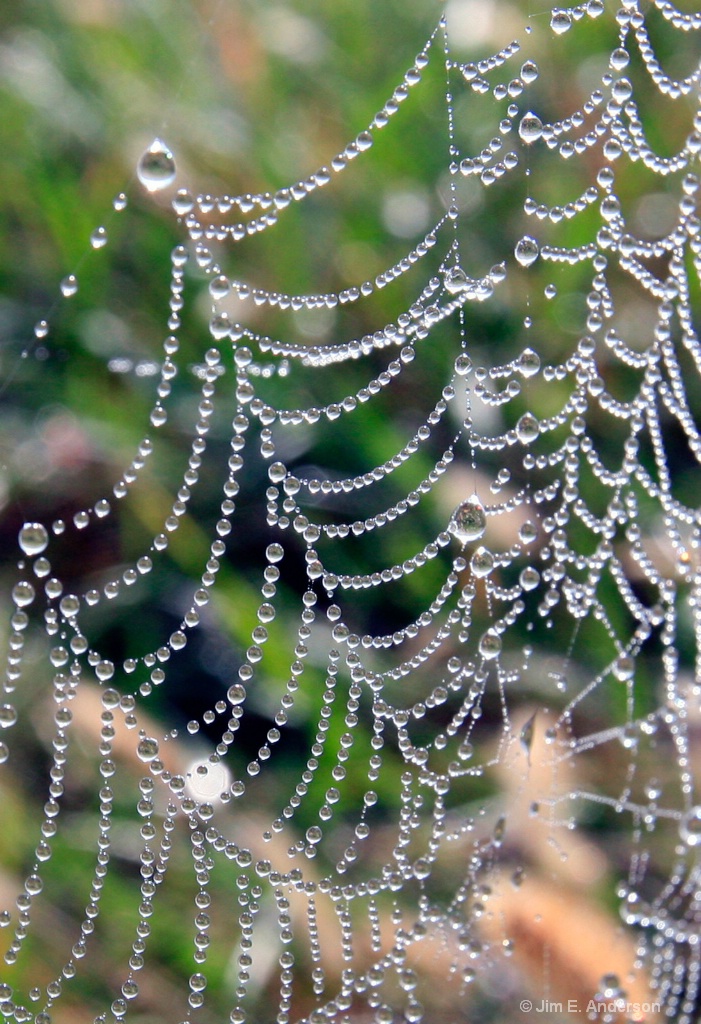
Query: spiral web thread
[{"x": 568, "y": 568}]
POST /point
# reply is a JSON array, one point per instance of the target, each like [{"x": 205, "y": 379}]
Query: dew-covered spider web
[{"x": 386, "y": 709}]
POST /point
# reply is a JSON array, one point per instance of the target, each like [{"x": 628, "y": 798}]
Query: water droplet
[
  {"x": 104, "y": 670},
  {"x": 527, "y": 735},
  {"x": 274, "y": 552},
  {"x": 526, "y": 251},
  {"x": 220, "y": 326},
  {"x": 528, "y": 532},
  {"x": 314, "y": 834},
  {"x": 456, "y": 280},
  {"x": 147, "y": 750},
  {"x": 33, "y": 538},
  {"x": 611, "y": 987},
  {"x": 70, "y": 605},
  {"x": 23, "y": 594},
  {"x": 529, "y": 578},
  {"x": 624, "y": 668},
  {"x": 528, "y": 363},
  {"x": 183, "y": 202},
  {"x": 482, "y": 562},
  {"x": 8, "y": 716},
  {"x": 561, "y": 21},
  {"x": 518, "y": 877},
  {"x": 156, "y": 168},
  {"x": 69, "y": 286},
  {"x": 619, "y": 59},
  {"x": 527, "y": 428},
  {"x": 236, "y": 694},
  {"x": 653, "y": 789},
  {"x": 98, "y": 238},
  {"x": 469, "y": 520},
  {"x": 219, "y": 287},
  {"x": 422, "y": 868},
  {"x": 499, "y": 831},
  {"x": 490, "y": 645},
  {"x": 690, "y": 827},
  {"x": 530, "y": 128},
  {"x": 529, "y": 71}
]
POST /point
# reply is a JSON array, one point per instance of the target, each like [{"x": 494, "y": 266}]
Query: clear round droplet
[
  {"x": 529, "y": 71},
  {"x": 69, "y": 286},
  {"x": 23, "y": 594},
  {"x": 98, "y": 238},
  {"x": 526, "y": 251},
  {"x": 469, "y": 520},
  {"x": 8, "y": 716},
  {"x": 147, "y": 750},
  {"x": 156, "y": 168},
  {"x": 527, "y": 428},
  {"x": 528, "y": 532},
  {"x": 531, "y": 128},
  {"x": 624, "y": 668},
  {"x": 560, "y": 22},
  {"x": 236, "y": 694},
  {"x": 528, "y": 363},
  {"x": 219, "y": 287},
  {"x": 456, "y": 280},
  {"x": 490, "y": 645},
  {"x": 482, "y": 562},
  {"x": 529, "y": 578},
  {"x": 33, "y": 538},
  {"x": 70, "y": 605}
]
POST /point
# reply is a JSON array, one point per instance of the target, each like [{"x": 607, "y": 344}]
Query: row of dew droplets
[{"x": 33, "y": 540}]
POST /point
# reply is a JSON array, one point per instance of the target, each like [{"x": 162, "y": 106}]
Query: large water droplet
[
  {"x": 527, "y": 428},
  {"x": 156, "y": 168},
  {"x": 526, "y": 251},
  {"x": 529, "y": 578},
  {"x": 529, "y": 71},
  {"x": 456, "y": 280},
  {"x": 8, "y": 716},
  {"x": 528, "y": 363},
  {"x": 23, "y": 594},
  {"x": 530, "y": 128},
  {"x": 236, "y": 694},
  {"x": 70, "y": 605},
  {"x": 561, "y": 21},
  {"x": 98, "y": 238},
  {"x": 469, "y": 520},
  {"x": 69, "y": 286},
  {"x": 482, "y": 562},
  {"x": 147, "y": 750},
  {"x": 624, "y": 667},
  {"x": 490, "y": 645},
  {"x": 33, "y": 538}
]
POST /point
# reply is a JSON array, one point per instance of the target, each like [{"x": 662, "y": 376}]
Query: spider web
[{"x": 488, "y": 612}]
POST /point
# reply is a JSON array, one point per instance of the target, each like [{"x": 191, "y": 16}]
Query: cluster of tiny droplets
[{"x": 540, "y": 574}]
